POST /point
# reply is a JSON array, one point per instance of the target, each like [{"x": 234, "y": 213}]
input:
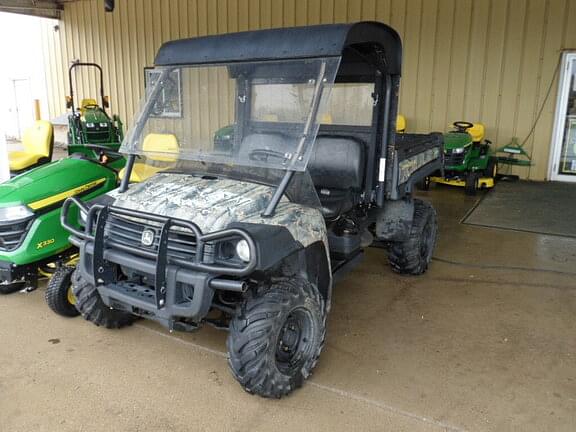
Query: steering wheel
[
  {"x": 462, "y": 126},
  {"x": 104, "y": 153},
  {"x": 262, "y": 155}
]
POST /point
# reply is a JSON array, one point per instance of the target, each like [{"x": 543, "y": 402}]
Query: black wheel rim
[{"x": 295, "y": 341}]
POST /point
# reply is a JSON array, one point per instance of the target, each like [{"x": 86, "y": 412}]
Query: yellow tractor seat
[
  {"x": 477, "y": 132},
  {"x": 38, "y": 143},
  {"x": 400, "y": 124},
  {"x": 86, "y": 103},
  {"x": 154, "y": 143}
]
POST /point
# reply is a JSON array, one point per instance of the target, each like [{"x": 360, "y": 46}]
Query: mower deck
[{"x": 483, "y": 182}]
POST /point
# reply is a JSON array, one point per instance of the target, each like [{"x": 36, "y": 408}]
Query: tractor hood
[
  {"x": 214, "y": 203},
  {"x": 50, "y": 184},
  {"x": 454, "y": 140},
  {"x": 95, "y": 115}
]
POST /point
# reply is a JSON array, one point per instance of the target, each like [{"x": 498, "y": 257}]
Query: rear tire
[
  {"x": 90, "y": 305},
  {"x": 413, "y": 255},
  {"x": 59, "y": 293},
  {"x": 423, "y": 184},
  {"x": 471, "y": 186},
  {"x": 276, "y": 337}
]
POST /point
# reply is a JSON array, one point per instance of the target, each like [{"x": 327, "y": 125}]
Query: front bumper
[
  {"x": 172, "y": 280},
  {"x": 10, "y": 272}
]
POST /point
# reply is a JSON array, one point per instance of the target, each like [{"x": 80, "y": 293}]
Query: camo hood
[{"x": 214, "y": 203}]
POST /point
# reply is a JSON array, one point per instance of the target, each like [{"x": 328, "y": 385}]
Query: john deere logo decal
[{"x": 147, "y": 237}]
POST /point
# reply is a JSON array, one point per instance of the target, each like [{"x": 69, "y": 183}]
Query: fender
[
  {"x": 277, "y": 249},
  {"x": 394, "y": 221}
]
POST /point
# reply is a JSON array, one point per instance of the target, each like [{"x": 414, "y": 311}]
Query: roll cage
[{"x": 77, "y": 64}]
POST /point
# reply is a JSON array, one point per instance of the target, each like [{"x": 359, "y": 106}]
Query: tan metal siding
[{"x": 481, "y": 60}]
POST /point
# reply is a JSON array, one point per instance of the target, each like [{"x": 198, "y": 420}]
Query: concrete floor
[{"x": 468, "y": 346}]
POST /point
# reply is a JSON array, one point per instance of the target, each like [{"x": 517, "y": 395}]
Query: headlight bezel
[
  {"x": 15, "y": 213},
  {"x": 230, "y": 251}
]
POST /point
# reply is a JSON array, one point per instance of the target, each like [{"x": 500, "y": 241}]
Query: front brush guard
[{"x": 103, "y": 271}]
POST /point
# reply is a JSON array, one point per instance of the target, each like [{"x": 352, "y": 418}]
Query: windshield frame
[{"x": 315, "y": 74}]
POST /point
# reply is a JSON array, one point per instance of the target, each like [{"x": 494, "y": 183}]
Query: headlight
[
  {"x": 243, "y": 250},
  {"x": 15, "y": 213},
  {"x": 234, "y": 250},
  {"x": 458, "y": 150},
  {"x": 89, "y": 125},
  {"x": 103, "y": 125}
]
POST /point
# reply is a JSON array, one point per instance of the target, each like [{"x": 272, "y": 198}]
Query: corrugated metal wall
[{"x": 479, "y": 60}]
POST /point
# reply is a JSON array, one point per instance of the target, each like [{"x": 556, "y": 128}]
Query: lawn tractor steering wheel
[
  {"x": 462, "y": 126},
  {"x": 262, "y": 155},
  {"x": 104, "y": 153}
]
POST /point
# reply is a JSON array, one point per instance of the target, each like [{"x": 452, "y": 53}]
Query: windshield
[{"x": 252, "y": 114}]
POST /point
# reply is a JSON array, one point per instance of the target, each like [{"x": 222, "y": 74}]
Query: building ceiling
[{"x": 41, "y": 8}]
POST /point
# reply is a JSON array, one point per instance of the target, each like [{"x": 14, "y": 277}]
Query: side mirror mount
[
  {"x": 106, "y": 102},
  {"x": 68, "y": 102}
]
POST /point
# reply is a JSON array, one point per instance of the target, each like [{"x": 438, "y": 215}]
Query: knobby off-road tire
[
  {"x": 413, "y": 255},
  {"x": 59, "y": 295},
  {"x": 276, "y": 337},
  {"x": 90, "y": 305}
]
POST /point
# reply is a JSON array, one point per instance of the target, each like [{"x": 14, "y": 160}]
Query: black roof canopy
[{"x": 351, "y": 41}]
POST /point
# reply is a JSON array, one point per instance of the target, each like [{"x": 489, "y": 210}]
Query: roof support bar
[{"x": 310, "y": 121}]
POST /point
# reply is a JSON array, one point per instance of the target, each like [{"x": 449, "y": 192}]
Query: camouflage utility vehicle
[{"x": 248, "y": 235}]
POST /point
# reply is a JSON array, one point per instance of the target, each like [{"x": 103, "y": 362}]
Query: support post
[{"x": 4, "y": 166}]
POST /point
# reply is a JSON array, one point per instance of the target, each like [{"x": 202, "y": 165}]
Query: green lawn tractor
[
  {"x": 468, "y": 159},
  {"x": 33, "y": 243},
  {"x": 89, "y": 123}
]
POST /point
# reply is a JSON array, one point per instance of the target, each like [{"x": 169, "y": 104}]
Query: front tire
[
  {"x": 90, "y": 305},
  {"x": 471, "y": 185},
  {"x": 492, "y": 168},
  {"x": 276, "y": 337},
  {"x": 413, "y": 255},
  {"x": 59, "y": 294}
]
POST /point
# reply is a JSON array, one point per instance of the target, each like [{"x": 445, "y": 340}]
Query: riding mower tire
[
  {"x": 276, "y": 337},
  {"x": 59, "y": 294},
  {"x": 412, "y": 256},
  {"x": 11, "y": 288},
  {"x": 90, "y": 305},
  {"x": 491, "y": 170},
  {"x": 472, "y": 182}
]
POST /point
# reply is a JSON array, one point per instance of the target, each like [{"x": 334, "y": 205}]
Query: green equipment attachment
[{"x": 513, "y": 151}]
